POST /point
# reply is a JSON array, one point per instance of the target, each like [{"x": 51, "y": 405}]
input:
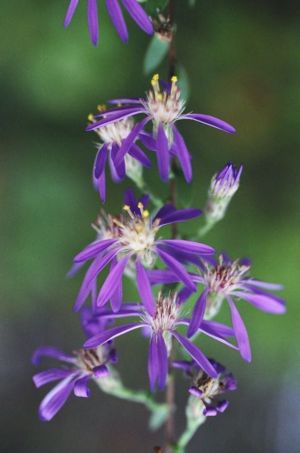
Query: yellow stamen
[
  {"x": 145, "y": 214},
  {"x": 174, "y": 79},
  {"x": 101, "y": 107},
  {"x": 91, "y": 118}
]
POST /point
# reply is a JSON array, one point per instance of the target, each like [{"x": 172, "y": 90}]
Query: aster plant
[{"x": 181, "y": 282}]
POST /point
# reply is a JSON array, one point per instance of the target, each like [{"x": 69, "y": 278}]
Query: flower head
[
  {"x": 112, "y": 137},
  {"x": 115, "y": 12},
  {"x": 163, "y": 107},
  {"x": 223, "y": 186},
  {"x": 130, "y": 241},
  {"x": 73, "y": 376},
  {"x": 208, "y": 389},
  {"x": 224, "y": 280},
  {"x": 162, "y": 327}
]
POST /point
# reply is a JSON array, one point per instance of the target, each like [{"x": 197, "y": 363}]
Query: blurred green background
[{"x": 243, "y": 62}]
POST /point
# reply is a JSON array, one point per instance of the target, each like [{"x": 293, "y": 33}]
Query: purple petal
[
  {"x": 93, "y": 23},
  {"x": 210, "y": 121},
  {"x": 196, "y": 354},
  {"x": 113, "y": 117},
  {"x": 264, "y": 285},
  {"x": 163, "y": 155},
  {"x": 136, "y": 152},
  {"x": 125, "y": 101},
  {"x": 180, "y": 215},
  {"x": 81, "y": 387},
  {"x": 101, "y": 186},
  {"x": 240, "y": 332},
  {"x": 209, "y": 329},
  {"x": 166, "y": 210},
  {"x": 49, "y": 351},
  {"x": 177, "y": 268},
  {"x": 220, "y": 329},
  {"x": 54, "y": 374},
  {"x": 129, "y": 140},
  {"x": 110, "y": 334},
  {"x": 100, "y": 161},
  {"x": 183, "y": 154},
  {"x": 198, "y": 313},
  {"x": 102, "y": 370},
  {"x": 95, "y": 268},
  {"x": 148, "y": 141},
  {"x": 117, "y": 18},
  {"x": 162, "y": 276},
  {"x": 157, "y": 362},
  {"x": 144, "y": 288},
  {"x": 74, "y": 269},
  {"x": 93, "y": 249},
  {"x": 112, "y": 281},
  {"x": 70, "y": 12},
  {"x": 189, "y": 246},
  {"x": 117, "y": 296},
  {"x": 117, "y": 169},
  {"x": 264, "y": 302},
  {"x": 138, "y": 15},
  {"x": 183, "y": 295},
  {"x": 56, "y": 398}
]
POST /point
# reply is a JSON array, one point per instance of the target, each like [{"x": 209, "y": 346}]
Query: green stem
[
  {"x": 187, "y": 435},
  {"x": 205, "y": 229}
]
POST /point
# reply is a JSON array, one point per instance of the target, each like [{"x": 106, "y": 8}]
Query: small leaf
[
  {"x": 183, "y": 82},
  {"x": 155, "y": 54}
]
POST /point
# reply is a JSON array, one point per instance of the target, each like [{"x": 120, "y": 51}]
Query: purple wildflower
[
  {"x": 207, "y": 388},
  {"x": 115, "y": 12},
  {"x": 223, "y": 186},
  {"x": 163, "y": 106},
  {"x": 83, "y": 365},
  {"x": 129, "y": 243},
  {"x": 228, "y": 280},
  {"x": 162, "y": 326},
  {"x": 112, "y": 137}
]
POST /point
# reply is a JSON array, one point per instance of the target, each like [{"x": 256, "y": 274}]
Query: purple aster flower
[
  {"x": 228, "y": 280},
  {"x": 162, "y": 327},
  {"x": 115, "y": 12},
  {"x": 206, "y": 388},
  {"x": 163, "y": 106},
  {"x": 129, "y": 244},
  {"x": 223, "y": 186},
  {"x": 73, "y": 376},
  {"x": 112, "y": 137}
]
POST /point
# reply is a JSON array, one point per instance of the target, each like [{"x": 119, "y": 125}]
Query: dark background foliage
[{"x": 243, "y": 61}]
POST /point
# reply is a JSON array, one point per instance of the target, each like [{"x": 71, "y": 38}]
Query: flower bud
[{"x": 222, "y": 188}]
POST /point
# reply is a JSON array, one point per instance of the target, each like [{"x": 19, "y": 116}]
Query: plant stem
[{"x": 170, "y": 392}]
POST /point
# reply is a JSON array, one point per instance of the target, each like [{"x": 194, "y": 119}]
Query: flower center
[
  {"x": 166, "y": 314},
  {"x": 87, "y": 359},
  {"x": 225, "y": 278},
  {"x": 137, "y": 233},
  {"x": 163, "y": 105},
  {"x": 113, "y": 133}
]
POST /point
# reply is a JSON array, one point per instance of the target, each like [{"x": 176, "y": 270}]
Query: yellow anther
[
  {"x": 140, "y": 205},
  {"x": 174, "y": 79},
  {"x": 145, "y": 214},
  {"x": 155, "y": 78},
  {"x": 101, "y": 107},
  {"x": 159, "y": 97},
  {"x": 126, "y": 207},
  {"x": 91, "y": 118}
]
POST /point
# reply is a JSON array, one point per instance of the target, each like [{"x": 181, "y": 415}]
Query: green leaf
[
  {"x": 155, "y": 54},
  {"x": 154, "y": 6},
  {"x": 183, "y": 82}
]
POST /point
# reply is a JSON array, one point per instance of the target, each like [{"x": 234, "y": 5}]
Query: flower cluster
[
  {"x": 162, "y": 107},
  {"x": 143, "y": 244}
]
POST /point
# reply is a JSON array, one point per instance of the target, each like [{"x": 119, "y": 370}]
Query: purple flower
[
  {"x": 73, "y": 376},
  {"x": 162, "y": 327},
  {"x": 223, "y": 186},
  {"x": 115, "y": 12},
  {"x": 112, "y": 137},
  {"x": 163, "y": 106},
  {"x": 228, "y": 280},
  {"x": 207, "y": 388},
  {"x": 129, "y": 244}
]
